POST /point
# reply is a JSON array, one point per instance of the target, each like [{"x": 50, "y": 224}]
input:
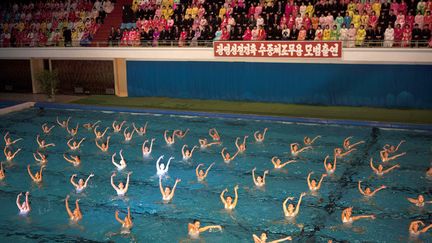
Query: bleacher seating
[
  {"x": 51, "y": 23},
  {"x": 355, "y": 22}
]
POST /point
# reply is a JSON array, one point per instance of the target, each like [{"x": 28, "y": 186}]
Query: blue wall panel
[{"x": 325, "y": 84}]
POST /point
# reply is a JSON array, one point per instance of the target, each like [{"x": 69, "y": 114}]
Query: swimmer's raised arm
[
  {"x": 5, "y": 137},
  {"x": 235, "y": 155},
  {"x": 69, "y": 160},
  {"x": 158, "y": 161},
  {"x": 73, "y": 182},
  {"x": 413, "y": 200},
  {"x": 396, "y": 156},
  {"x": 264, "y": 132},
  {"x": 174, "y": 187},
  {"x": 264, "y": 176},
  {"x": 197, "y": 169},
  {"x": 118, "y": 218},
  {"x": 253, "y": 176},
  {"x": 222, "y": 197},
  {"x": 236, "y": 143},
  {"x": 161, "y": 187},
  {"x": 87, "y": 180},
  {"x": 308, "y": 179},
  {"x": 183, "y": 150},
  {"x": 298, "y": 203},
  {"x": 244, "y": 139},
  {"x": 151, "y": 144},
  {"x": 106, "y": 129},
  {"x": 69, "y": 212},
  {"x": 378, "y": 189},
  {"x": 80, "y": 142},
  {"x": 112, "y": 182},
  {"x": 37, "y": 140},
  {"x": 192, "y": 150},
  {"x": 30, "y": 173},
  {"x": 121, "y": 154},
  {"x": 127, "y": 182},
  {"x": 222, "y": 153},
  {"x": 347, "y": 152},
  {"x": 360, "y": 189},
  {"x": 304, "y": 148},
  {"x": 347, "y": 139},
  {"x": 354, "y": 218},
  {"x": 205, "y": 228},
  {"x": 113, "y": 161},
  {"x": 256, "y": 135},
  {"x": 58, "y": 122},
  {"x": 400, "y": 143},
  {"x": 287, "y": 162},
  {"x": 372, "y": 166},
  {"x": 18, "y": 202},
  {"x": 426, "y": 228},
  {"x": 234, "y": 204},
  {"x": 391, "y": 168},
  {"x": 94, "y": 124},
  {"x": 178, "y": 132},
  {"x": 320, "y": 181},
  {"x": 16, "y": 140},
  {"x": 315, "y": 138},
  {"x": 358, "y": 143},
  {"x": 205, "y": 175},
  {"x": 168, "y": 164}
]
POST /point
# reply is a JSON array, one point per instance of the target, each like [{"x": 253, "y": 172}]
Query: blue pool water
[{"x": 258, "y": 210}]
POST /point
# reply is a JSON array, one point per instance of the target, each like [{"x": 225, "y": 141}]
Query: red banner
[{"x": 287, "y": 49}]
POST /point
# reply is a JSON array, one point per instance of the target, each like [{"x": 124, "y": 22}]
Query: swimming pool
[{"x": 258, "y": 210}]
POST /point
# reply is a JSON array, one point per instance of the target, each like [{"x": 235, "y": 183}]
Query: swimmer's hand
[
  {"x": 27, "y": 193},
  {"x": 236, "y": 187},
  {"x": 303, "y": 194},
  {"x": 91, "y": 175}
]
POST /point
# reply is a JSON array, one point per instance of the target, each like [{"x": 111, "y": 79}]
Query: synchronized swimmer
[
  {"x": 121, "y": 189},
  {"x": 24, "y": 208},
  {"x": 200, "y": 174},
  {"x": 187, "y": 154},
  {"x": 146, "y": 150},
  {"x": 278, "y": 164},
  {"x": 8, "y": 140},
  {"x": 228, "y": 202},
  {"x": 81, "y": 184},
  {"x": 167, "y": 193},
  {"x": 122, "y": 164},
  {"x": 161, "y": 169},
  {"x": 259, "y": 181}
]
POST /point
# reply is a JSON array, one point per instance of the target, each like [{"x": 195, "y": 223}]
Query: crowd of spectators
[
  {"x": 354, "y": 22},
  {"x": 51, "y": 23}
]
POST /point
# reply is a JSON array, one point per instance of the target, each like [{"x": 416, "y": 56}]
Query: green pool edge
[{"x": 260, "y": 108}]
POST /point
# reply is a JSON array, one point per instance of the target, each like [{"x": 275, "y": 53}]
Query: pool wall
[
  {"x": 421, "y": 127},
  {"x": 376, "y": 77},
  {"x": 375, "y": 85}
]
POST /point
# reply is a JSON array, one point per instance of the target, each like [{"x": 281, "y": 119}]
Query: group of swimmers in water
[{"x": 388, "y": 153}]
